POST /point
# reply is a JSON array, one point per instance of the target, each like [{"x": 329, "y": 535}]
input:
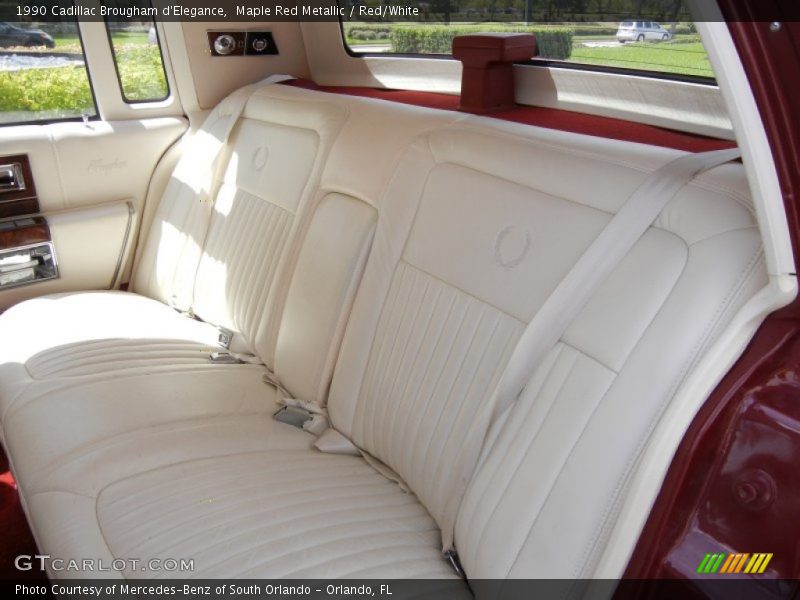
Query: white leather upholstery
[
  {"x": 254, "y": 515},
  {"x": 326, "y": 277},
  {"x": 78, "y": 334},
  {"x": 461, "y": 230}
]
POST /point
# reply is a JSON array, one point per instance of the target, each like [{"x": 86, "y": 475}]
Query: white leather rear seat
[{"x": 480, "y": 222}]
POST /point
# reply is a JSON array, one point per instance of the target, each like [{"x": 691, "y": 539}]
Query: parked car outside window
[
  {"x": 641, "y": 31},
  {"x": 13, "y": 35}
]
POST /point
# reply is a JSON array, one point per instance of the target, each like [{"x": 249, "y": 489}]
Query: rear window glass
[{"x": 670, "y": 49}]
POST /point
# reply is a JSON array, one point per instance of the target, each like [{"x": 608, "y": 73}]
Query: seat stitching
[
  {"x": 395, "y": 362},
  {"x": 448, "y": 397},
  {"x": 464, "y": 292},
  {"x": 202, "y": 476},
  {"x": 390, "y": 332},
  {"x": 558, "y": 147},
  {"x": 398, "y": 416},
  {"x": 275, "y": 508},
  {"x": 445, "y": 434},
  {"x": 316, "y": 530},
  {"x": 419, "y": 408},
  {"x": 386, "y": 239},
  {"x": 385, "y": 410}
]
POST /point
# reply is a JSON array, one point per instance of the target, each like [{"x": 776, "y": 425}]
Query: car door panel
[
  {"x": 91, "y": 180},
  {"x": 89, "y": 246}
]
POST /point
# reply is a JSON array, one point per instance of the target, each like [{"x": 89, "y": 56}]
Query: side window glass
[
  {"x": 43, "y": 73},
  {"x": 138, "y": 58}
]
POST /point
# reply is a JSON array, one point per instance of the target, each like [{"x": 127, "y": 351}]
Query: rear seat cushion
[
  {"x": 252, "y": 515},
  {"x": 254, "y": 498},
  {"x": 66, "y": 335},
  {"x": 104, "y": 412}
]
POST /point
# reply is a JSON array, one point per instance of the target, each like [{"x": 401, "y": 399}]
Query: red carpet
[{"x": 15, "y": 536}]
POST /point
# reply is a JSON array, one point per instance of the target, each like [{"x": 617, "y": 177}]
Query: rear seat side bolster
[
  {"x": 265, "y": 332},
  {"x": 357, "y": 163},
  {"x": 162, "y": 175}
]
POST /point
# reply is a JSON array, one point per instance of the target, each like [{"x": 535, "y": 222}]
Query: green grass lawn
[
  {"x": 382, "y": 41},
  {"x": 684, "y": 55},
  {"x": 681, "y": 57},
  {"x": 140, "y": 71},
  {"x": 67, "y": 41},
  {"x": 666, "y": 57},
  {"x": 129, "y": 37}
]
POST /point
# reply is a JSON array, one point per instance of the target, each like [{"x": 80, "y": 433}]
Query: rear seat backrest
[
  {"x": 477, "y": 229},
  {"x": 228, "y": 267},
  {"x": 462, "y": 259}
]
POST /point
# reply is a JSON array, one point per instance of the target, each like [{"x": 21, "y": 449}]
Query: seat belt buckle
[
  {"x": 293, "y": 415},
  {"x": 225, "y": 337},
  {"x": 224, "y": 358}
]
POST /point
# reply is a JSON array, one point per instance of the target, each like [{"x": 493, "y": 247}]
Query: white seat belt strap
[{"x": 571, "y": 296}]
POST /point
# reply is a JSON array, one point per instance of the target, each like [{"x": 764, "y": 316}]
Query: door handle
[
  {"x": 23, "y": 261},
  {"x": 11, "y": 178},
  {"x": 20, "y": 266}
]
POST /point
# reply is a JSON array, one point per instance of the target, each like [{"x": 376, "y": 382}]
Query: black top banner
[{"x": 398, "y": 11}]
